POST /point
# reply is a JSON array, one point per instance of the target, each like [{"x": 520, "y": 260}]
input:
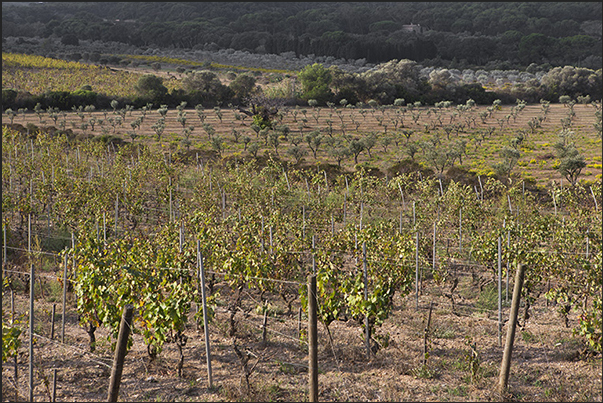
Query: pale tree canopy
[
  {"x": 572, "y": 81},
  {"x": 393, "y": 79},
  {"x": 440, "y": 78}
]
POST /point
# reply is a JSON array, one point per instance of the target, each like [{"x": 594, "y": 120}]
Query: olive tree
[
  {"x": 355, "y": 147},
  {"x": 217, "y": 143},
  {"x": 510, "y": 156},
  {"x": 274, "y": 140},
  {"x": 571, "y": 161},
  {"x": 297, "y": 153},
  {"x": 437, "y": 155},
  {"x": 314, "y": 139}
]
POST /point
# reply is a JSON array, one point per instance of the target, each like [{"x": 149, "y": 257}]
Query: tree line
[
  {"x": 453, "y": 35},
  {"x": 395, "y": 82}
]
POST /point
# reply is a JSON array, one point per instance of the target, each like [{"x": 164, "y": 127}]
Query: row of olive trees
[{"x": 439, "y": 156}]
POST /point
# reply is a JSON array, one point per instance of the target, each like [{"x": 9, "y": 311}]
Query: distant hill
[{"x": 495, "y": 35}]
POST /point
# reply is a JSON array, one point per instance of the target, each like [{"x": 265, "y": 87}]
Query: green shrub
[{"x": 487, "y": 299}]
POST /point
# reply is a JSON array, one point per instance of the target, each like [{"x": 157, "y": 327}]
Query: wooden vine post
[
  {"x": 29, "y": 235},
  {"x": 64, "y": 297},
  {"x": 507, "y": 273},
  {"x": 367, "y": 327},
  {"x": 54, "y": 385},
  {"x": 54, "y": 308},
  {"x": 205, "y": 319},
  {"x": 506, "y": 361},
  {"x": 434, "y": 247},
  {"x": 426, "y": 334},
  {"x": 4, "y": 239},
  {"x": 312, "y": 339},
  {"x": 116, "y": 213},
  {"x": 417, "y": 269},
  {"x": 120, "y": 352},
  {"x": 499, "y": 294},
  {"x": 12, "y": 323},
  {"x": 460, "y": 230},
  {"x": 265, "y": 323},
  {"x": 31, "y": 330},
  {"x": 299, "y": 320}
]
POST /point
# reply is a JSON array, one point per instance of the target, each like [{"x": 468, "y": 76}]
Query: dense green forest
[{"x": 495, "y": 35}]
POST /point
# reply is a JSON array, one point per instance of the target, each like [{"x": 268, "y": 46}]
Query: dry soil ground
[{"x": 546, "y": 363}]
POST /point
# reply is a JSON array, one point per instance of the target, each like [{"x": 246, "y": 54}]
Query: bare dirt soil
[{"x": 546, "y": 365}]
